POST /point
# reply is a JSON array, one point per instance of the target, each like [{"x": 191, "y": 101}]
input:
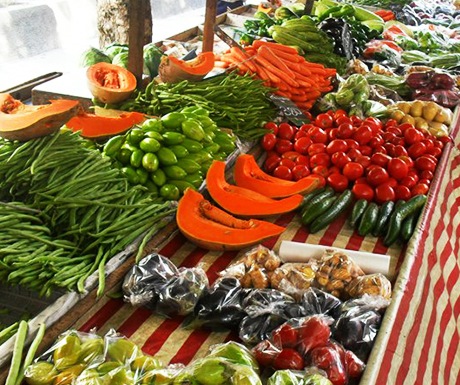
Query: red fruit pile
[
  {"x": 305, "y": 343},
  {"x": 378, "y": 161}
]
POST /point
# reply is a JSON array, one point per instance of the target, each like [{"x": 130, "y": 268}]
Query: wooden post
[
  {"x": 208, "y": 29},
  {"x": 137, "y": 9},
  {"x": 308, "y": 7}
]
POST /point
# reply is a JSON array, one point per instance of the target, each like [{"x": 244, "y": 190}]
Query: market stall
[{"x": 188, "y": 242}]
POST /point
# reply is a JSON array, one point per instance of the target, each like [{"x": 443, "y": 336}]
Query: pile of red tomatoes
[{"x": 379, "y": 161}]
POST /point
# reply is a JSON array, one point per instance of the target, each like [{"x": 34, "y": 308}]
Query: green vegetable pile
[
  {"x": 170, "y": 153},
  {"x": 237, "y": 102},
  {"x": 67, "y": 211}
]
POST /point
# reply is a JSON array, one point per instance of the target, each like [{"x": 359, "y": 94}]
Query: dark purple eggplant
[
  {"x": 417, "y": 80},
  {"x": 442, "y": 81}
]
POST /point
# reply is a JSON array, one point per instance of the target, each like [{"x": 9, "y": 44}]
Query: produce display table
[{"x": 419, "y": 337}]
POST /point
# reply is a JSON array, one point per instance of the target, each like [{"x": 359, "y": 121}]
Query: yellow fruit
[
  {"x": 408, "y": 119},
  {"x": 430, "y": 109},
  {"x": 397, "y": 115}
]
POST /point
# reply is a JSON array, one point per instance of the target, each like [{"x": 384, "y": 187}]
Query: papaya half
[
  {"x": 22, "y": 122},
  {"x": 242, "y": 201},
  {"x": 95, "y": 126},
  {"x": 212, "y": 228},
  {"x": 173, "y": 70},
  {"x": 248, "y": 174},
  {"x": 110, "y": 83}
]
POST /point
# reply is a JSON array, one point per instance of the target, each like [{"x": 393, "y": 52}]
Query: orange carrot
[
  {"x": 242, "y": 56},
  {"x": 221, "y": 64},
  {"x": 270, "y": 68},
  {"x": 270, "y": 56},
  {"x": 288, "y": 57},
  {"x": 286, "y": 94},
  {"x": 259, "y": 43}
]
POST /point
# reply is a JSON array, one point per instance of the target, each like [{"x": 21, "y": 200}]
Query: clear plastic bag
[
  {"x": 294, "y": 278},
  {"x": 297, "y": 377},
  {"x": 316, "y": 301},
  {"x": 266, "y": 310},
  {"x": 372, "y": 284}
]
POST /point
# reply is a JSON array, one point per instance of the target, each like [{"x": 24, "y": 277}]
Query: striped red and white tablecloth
[{"x": 419, "y": 339}]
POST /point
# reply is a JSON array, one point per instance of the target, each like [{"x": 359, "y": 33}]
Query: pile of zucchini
[{"x": 391, "y": 220}]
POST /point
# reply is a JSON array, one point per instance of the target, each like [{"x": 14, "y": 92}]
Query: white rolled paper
[{"x": 300, "y": 252}]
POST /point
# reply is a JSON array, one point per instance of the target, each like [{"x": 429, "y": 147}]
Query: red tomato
[
  {"x": 321, "y": 159},
  {"x": 381, "y": 149},
  {"x": 354, "y": 154},
  {"x": 324, "y": 121},
  {"x": 338, "y": 182},
  {"x": 363, "y": 191},
  {"x": 412, "y": 135},
  {"x": 424, "y": 181},
  {"x": 317, "y": 135},
  {"x": 377, "y": 175},
  {"x": 376, "y": 141},
  {"x": 390, "y": 123},
  {"x": 339, "y": 113},
  {"x": 392, "y": 182},
  {"x": 340, "y": 159},
  {"x": 444, "y": 139},
  {"x": 374, "y": 123},
  {"x": 363, "y": 135},
  {"x": 409, "y": 181},
  {"x": 388, "y": 137},
  {"x": 366, "y": 150},
  {"x": 285, "y": 336},
  {"x": 429, "y": 143},
  {"x": 425, "y": 163},
  {"x": 400, "y": 151},
  {"x": 426, "y": 174},
  {"x": 397, "y": 168},
  {"x": 404, "y": 126},
  {"x": 321, "y": 170},
  {"x": 332, "y": 133},
  {"x": 356, "y": 120},
  {"x": 353, "y": 170},
  {"x": 265, "y": 353},
  {"x": 300, "y": 134},
  {"x": 364, "y": 161},
  {"x": 333, "y": 170},
  {"x": 302, "y": 159},
  {"x": 271, "y": 163},
  {"x": 293, "y": 155},
  {"x": 289, "y": 163},
  {"x": 283, "y": 145},
  {"x": 380, "y": 159},
  {"x": 384, "y": 193},
  {"x": 286, "y": 131},
  {"x": 306, "y": 127},
  {"x": 301, "y": 144},
  {"x": 395, "y": 130},
  {"x": 408, "y": 160},
  {"x": 390, "y": 147},
  {"x": 268, "y": 141},
  {"x": 352, "y": 143},
  {"x": 361, "y": 180},
  {"x": 417, "y": 149},
  {"x": 399, "y": 142},
  {"x": 316, "y": 148},
  {"x": 283, "y": 172},
  {"x": 345, "y": 130},
  {"x": 402, "y": 192},
  {"x": 419, "y": 189},
  {"x": 435, "y": 151},
  {"x": 272, "y": 126},
  {"x": 342, "y": 120},
  {"x": 289, "y": 358},
  {"x": 300, "y": 171},
  {"x": 337, "y": 145}
]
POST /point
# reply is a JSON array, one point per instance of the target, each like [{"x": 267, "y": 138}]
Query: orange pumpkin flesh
[
  {"x": 22, "y": 122},
  {"x": 242, "y": 201},
  {"x": 214, "y": 229},
  {"x": 173, "y": 70},
  {"x": 110, "y": 83},
  {"x": 97, "y": 126},
  {"x": 248, "y": 174}
]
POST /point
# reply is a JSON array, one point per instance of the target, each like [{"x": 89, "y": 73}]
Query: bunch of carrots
[
  {"x": 281, "y": 67},
  {"x": 385, "y": 14}
]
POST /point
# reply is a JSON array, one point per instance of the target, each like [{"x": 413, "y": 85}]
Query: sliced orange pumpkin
[
  {"x": 110, "y": 83},
  {"x": 97, "y": 126},
  {"x": 248, "y": 174},
  {"x": 22, "y": 122},
  {"x": 242, "y": 201},
  {"x": 211, "y": 228},
  {"x": 173, "y": 70}
]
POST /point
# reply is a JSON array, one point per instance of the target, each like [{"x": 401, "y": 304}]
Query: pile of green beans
[
  {"x": 78, "y": 211},
  {"x": 238, "y": 102}
]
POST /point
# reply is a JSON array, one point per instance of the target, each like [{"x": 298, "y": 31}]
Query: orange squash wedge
[
  {"x": 211, "y": 228},
  {"x": 173, "y": 70},
  {"x": 248, "y": 174},
  {"x": 110, "y": 83},
  {"x": 97, "y": 126},
  {"x": 22, "y": 122},
  {"x": 242, "y": 201}
]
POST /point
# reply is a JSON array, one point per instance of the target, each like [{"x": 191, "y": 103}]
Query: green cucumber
[
  {"x": 399, "y": 214},
  {"x": 369, "y": 219},
  {"x": 340, "y": 205},
  {"x": 308, "y": 197},
  {"x": 358, "y": 210},
  {"x": 384, "y": 216},
  {"x": 314, "y": 211},
  {"x": 325, "y": 192}
]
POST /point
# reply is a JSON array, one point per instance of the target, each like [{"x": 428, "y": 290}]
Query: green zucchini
[
  {"x": 399, "y": 214},
  {"x": 384, "y": 216},
  {"x": 369, "y": 219},
  {"x": 358, "y": 210},
  {"x": 325, "y": 192},
  {"x": 317, "y": 209},
  {"x": 308, "y": 197},
  {"x": 344, "y": 200}
]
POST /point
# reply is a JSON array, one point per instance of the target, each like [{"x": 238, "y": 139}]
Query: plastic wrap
[
  {"x": 254, "y": 268},
  {"x": 294, "y": 377},
  {"x": 221, "y": 305},
  {"x": 315, "y": 301},
  {"x": 266, "y": 310},
  {"x": 294, "y": 278},
  {"x": 359, "y": 323},
  {"x": 372, "y": 284},
  {"x": 159, "y": 285},
  {"x": 336, "y": 270},
  {"x": 306, "y": 343}
]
